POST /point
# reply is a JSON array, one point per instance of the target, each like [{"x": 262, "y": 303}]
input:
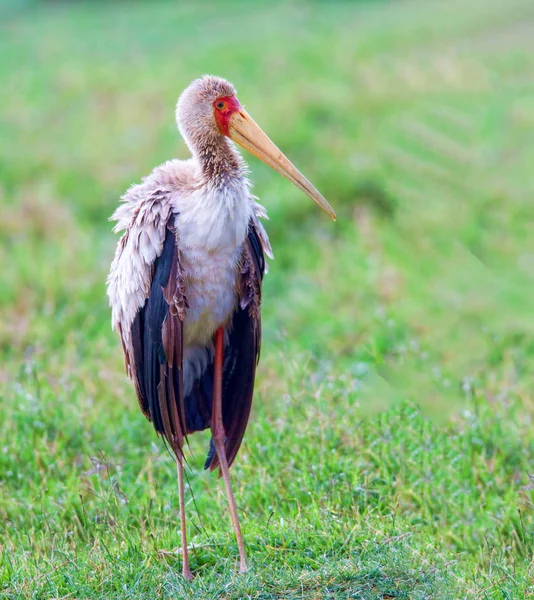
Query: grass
[{"x": 391, "y": 442}]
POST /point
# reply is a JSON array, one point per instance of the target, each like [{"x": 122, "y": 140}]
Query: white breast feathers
[{"x": 212, "y": 225}]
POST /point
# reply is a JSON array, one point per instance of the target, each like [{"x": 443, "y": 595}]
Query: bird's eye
[{"x": 220, "y": 104}]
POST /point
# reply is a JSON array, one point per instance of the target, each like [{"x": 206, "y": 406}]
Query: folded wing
[{"x": 147, "y": 294}]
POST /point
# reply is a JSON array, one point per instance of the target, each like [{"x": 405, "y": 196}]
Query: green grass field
[{"x": 391, "y": 441}]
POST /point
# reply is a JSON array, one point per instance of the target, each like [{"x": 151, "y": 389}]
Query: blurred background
[{"x": 415, "y": 121}]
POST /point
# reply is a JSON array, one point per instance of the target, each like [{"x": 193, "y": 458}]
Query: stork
[{"x": 185, "y": 283}]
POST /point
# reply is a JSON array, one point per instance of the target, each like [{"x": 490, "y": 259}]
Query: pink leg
[
  {"x": 219, "y": 435},
  {"x": 186, "y": 572}
]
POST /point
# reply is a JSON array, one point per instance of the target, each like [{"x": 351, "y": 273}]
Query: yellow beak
[{"x": 245, "y": 132}]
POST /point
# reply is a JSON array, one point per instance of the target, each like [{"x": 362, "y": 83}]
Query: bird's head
[{"x": 209, "y": 109}]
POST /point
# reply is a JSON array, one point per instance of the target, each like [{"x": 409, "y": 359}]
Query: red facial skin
[{"x": 222, "y": 115}]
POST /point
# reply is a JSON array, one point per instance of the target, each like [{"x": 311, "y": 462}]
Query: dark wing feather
[
  {"x": 157, "y": 349},
  {"x": 157, "y": 338},
  {"x": 242, "y": 350}
]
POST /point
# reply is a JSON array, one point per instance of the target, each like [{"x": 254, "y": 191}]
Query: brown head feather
[{"x": 196, "y": 121}]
